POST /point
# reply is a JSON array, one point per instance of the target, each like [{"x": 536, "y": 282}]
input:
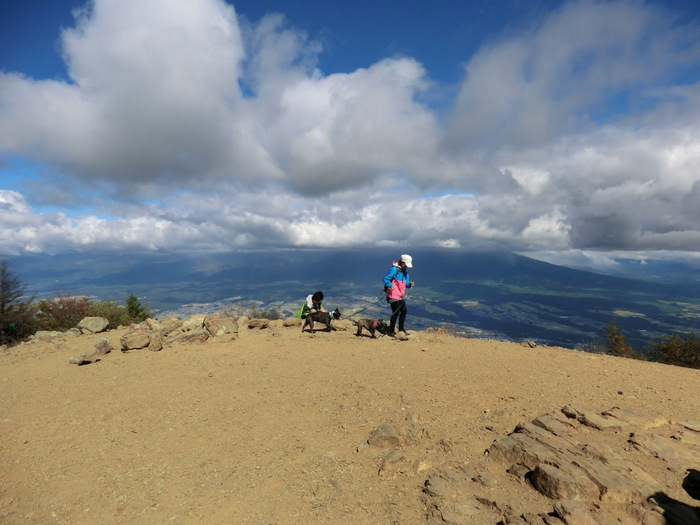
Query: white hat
[{"x": 408, "y": 260}]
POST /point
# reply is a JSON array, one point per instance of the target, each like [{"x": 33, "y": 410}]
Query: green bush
[
  {"x": 115, "y": 313},
  {"x": 677, "y": 350}
]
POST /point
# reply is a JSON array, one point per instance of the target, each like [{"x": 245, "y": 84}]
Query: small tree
[
  {"x": 16, "y": 311},
  {"x": 617, "y": 342},
  {"x": 135, "y": 310}
]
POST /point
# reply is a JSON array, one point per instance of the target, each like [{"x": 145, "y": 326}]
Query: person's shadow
[{"x": 676, "y": 512}]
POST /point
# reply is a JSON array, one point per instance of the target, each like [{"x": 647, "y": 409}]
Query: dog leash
[
  {"x": 381, "y": 296},
  {"x": 366, "y": 307}
]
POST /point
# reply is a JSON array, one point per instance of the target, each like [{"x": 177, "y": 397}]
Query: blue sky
[
  {"x": 565, "y": 130},
  {"x": 354, "y": 34}
]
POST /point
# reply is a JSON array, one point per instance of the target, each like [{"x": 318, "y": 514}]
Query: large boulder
[
  {"x": 220, "y": 324},
  {"x": 135, "y": 340},
  {"x": 194, "y": 322},
  {"x": 168, "y": 326},
  {"x": 93, "y": 325},
  {"x": 157, "y": 342}
]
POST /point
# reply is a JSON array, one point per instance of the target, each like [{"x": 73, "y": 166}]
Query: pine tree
[{"x": 135, "y": 310}]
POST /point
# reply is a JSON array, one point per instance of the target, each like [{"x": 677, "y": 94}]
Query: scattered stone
[
  {"x": 291, "y": 322},
  {"x": 170, "y": 325},
  {"x": 220, "y": 324},
  {"x": 258, "y": 324},
  {"x": 47, "y": 335},
  {"x": 562, "y": 483},
  {"x": 157, "y": 342},
  {"x": 665, "y": 448},
  {"x": 440, "y": 485},
  {"x": 192, "y": 323},
  {"x": 391, "y": 435},
  {"x": 422, "y": 464},
  {"x": 93, "y": 325},
  {"x": 460, "y": 513},
  {"x": 391, "y": 461},
  {"x": 653, "y": 517},
  {"x": 153, "y": 324},
  {"x": 384, "y": 436},
  {"x": 135, "y": 340},
  {"x": 564, "y": 461},
  {"x": 486, "y": 479},
  {"x": 101, "y": 347},
  {"x": 591, "y": 419},
  {"x": 636, "y": 418},
  {"x": 192, "y": 337}
]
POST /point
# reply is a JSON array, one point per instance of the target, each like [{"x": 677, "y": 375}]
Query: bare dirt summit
[{"x": 274, "y": 426}]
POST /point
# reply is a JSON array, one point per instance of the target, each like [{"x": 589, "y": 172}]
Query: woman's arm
[{"x": 389, "y": 279}]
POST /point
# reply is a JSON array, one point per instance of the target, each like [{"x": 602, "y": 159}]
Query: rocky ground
[{"x": 275, "y": 426}]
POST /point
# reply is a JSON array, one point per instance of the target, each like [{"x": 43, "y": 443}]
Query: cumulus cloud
[{"x": 185, "y": 126}]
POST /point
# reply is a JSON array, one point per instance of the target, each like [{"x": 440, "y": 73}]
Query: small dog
[
  {"x": 371, "y": 326},
  {"x": 320, "y": 317}
]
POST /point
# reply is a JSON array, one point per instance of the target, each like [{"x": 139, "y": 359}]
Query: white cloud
[{"x": 574, "y": 134}]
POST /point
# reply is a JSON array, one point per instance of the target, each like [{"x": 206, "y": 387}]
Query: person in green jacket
[{"x": 312, "y": 304}]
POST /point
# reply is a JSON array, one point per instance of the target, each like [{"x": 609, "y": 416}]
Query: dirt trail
[{"x": 265, "y": 429}]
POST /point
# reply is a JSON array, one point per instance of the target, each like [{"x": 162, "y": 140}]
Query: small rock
[
  {"x": 574, "y": 513},
  {"x": 384, "y": 436},
  {"x": 258, "y": 324}
]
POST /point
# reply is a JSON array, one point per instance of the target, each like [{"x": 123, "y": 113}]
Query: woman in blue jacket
[{"x": 396, "y": 282}]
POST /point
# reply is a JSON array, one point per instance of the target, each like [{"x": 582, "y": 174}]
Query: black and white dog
[{"x": 320, "y": 317}]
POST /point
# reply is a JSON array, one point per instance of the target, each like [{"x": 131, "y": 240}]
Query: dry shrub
[
  {"x": 677, "y": 350},
  {"x": 62, "y": 313}
]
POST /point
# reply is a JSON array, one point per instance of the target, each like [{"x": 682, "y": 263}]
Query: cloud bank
[{"x": 184, "y": 126}]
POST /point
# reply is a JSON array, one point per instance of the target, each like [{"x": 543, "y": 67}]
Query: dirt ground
[{"x": 268, "y": 428}]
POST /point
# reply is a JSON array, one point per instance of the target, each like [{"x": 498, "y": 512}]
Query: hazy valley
[{"x": 489, "y": 295}]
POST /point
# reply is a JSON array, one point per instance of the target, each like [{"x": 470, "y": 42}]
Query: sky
[{"x": 564, "y": 130}]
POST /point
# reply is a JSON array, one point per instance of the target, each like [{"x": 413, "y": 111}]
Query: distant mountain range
[{"x": 496, "y": 295}]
